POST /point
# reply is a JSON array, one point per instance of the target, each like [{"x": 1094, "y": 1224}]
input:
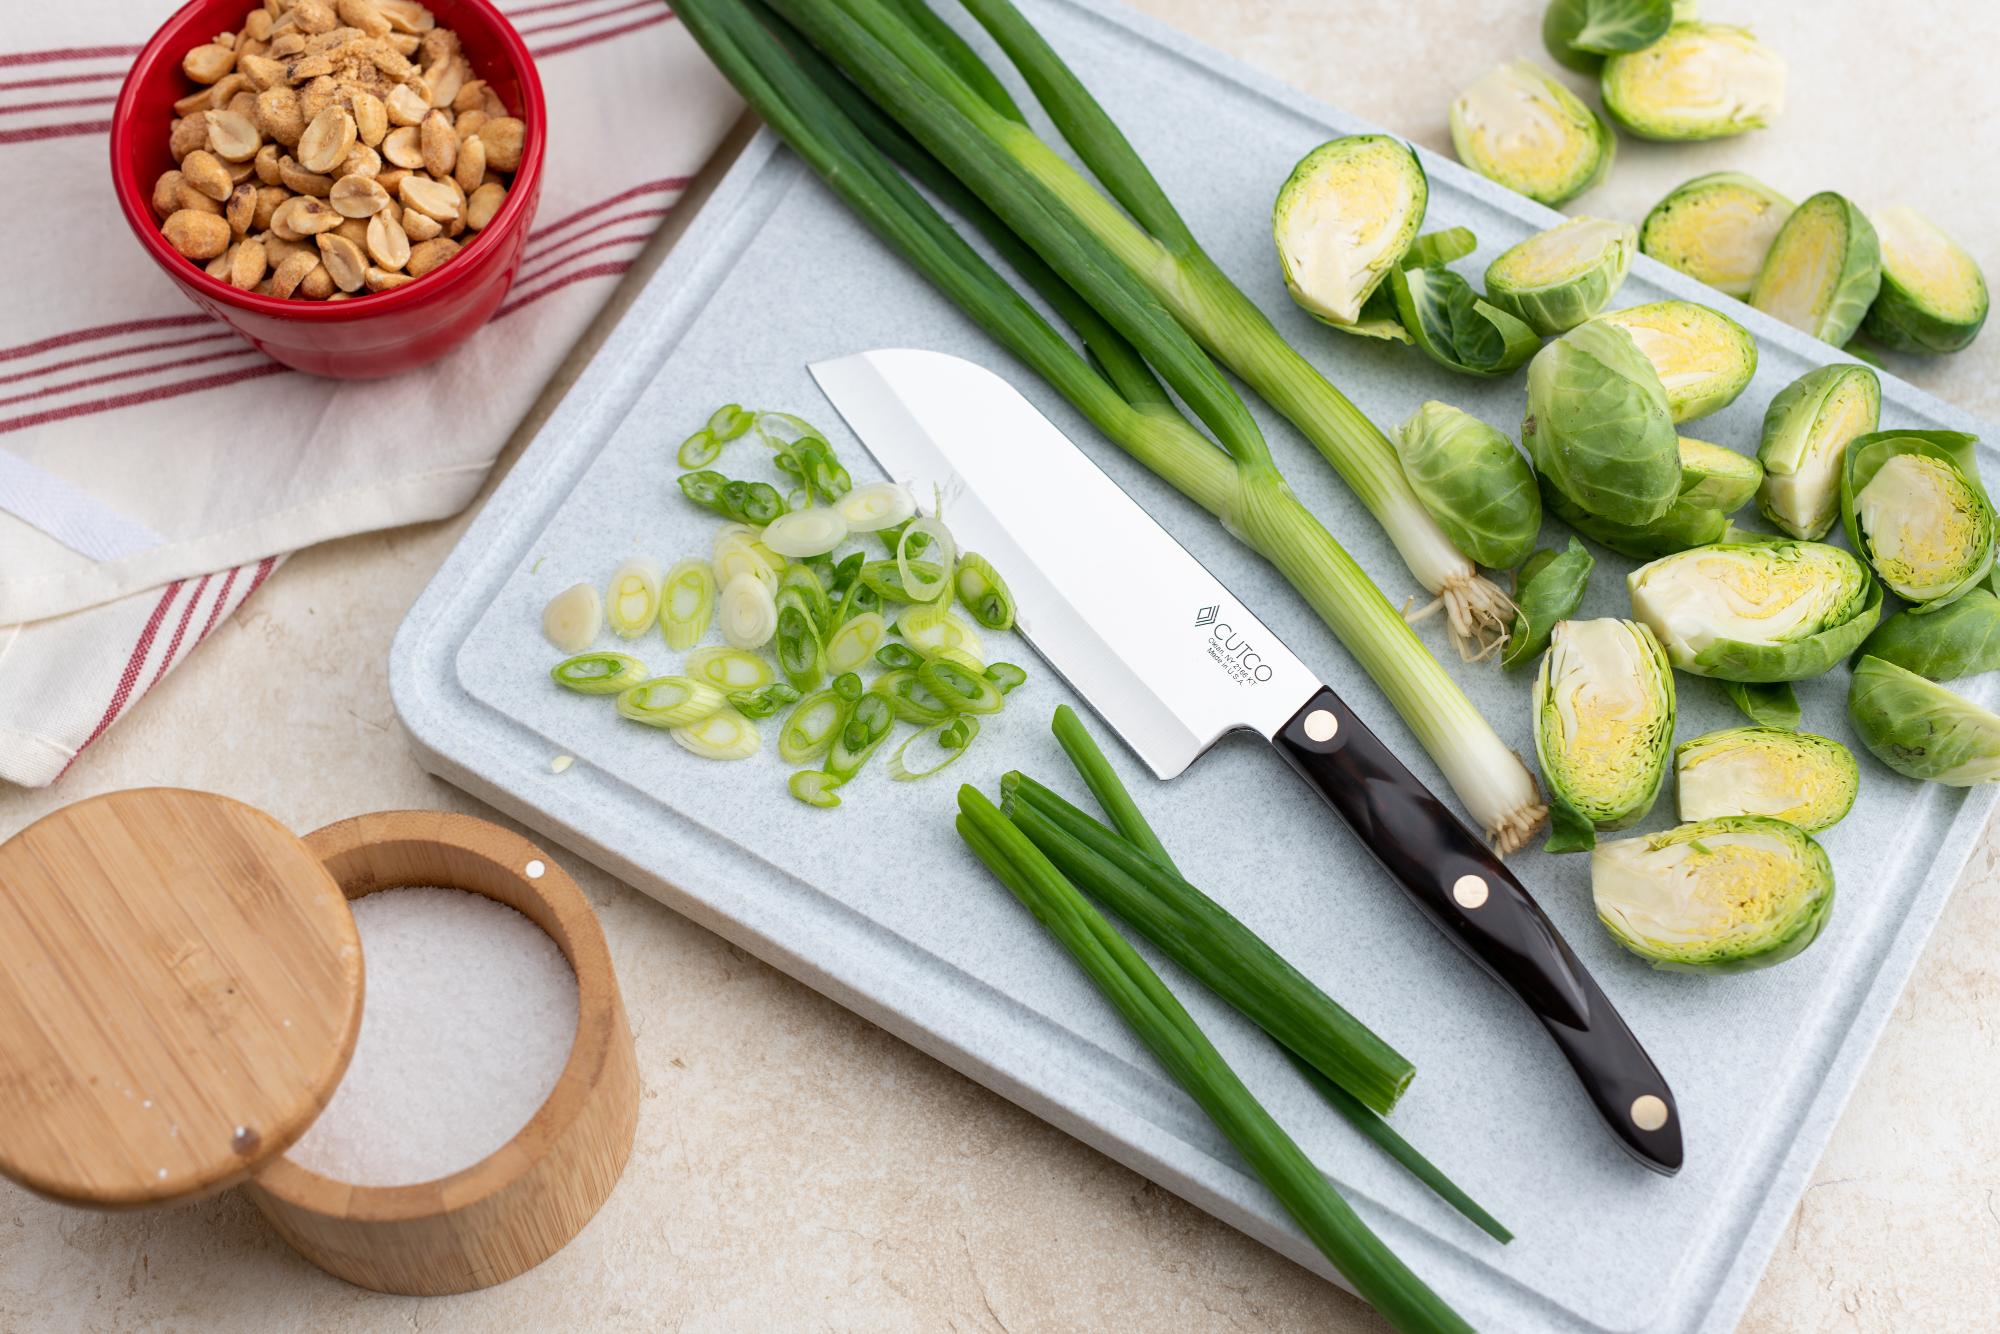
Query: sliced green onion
[
  {"x": 763, "y": 703},
  {"x": 728, "y": 669},
  {"x": 959, "y": 687},
  {"x": 669, "y": 701},
  {"x": 866, "y": 726},
  {"x": 931, "y": 628},
  {"x": 940, "y": 554},
  {"x": 846, "y": 575},
  {"x": 899, "y": 657},
  {"x": 984, "y": 593},
  {"x": 598, "y": 673},
  {"x": 800, "y": 656},
  {"x": 815, "y": 788},
  {"x": 723, "y": 735},
  {"x": 879, "y": 505},
  {"x": 782, "y": 430},
  {"x": 634, "y": 600},
  {"x": 749, "y": 616},
  {"x": 912, "y": 699},
  {"x": 936, "y": 747},
  {"x": 699, "y": 450},
  {"x": 888, "y": 580},
  {"x": 744, "y": 502},
  {"x": 848, "y": 686},
  {"x": 855, "y": 642},
  {"x": 803, "y": 581},
  {"x": 971, "y": 662},
  {"x": 808, "y": 729},
  {"x": 729, "y": 422},
  {"x": 687, "y": 603},
  {"x": 573, "y": 618},
  {"x": 803, "y": 533},
  {"x": 736, "y": 552},
  {"x": 861, "y": 599},
  {"x": 1005, "y": 676}
]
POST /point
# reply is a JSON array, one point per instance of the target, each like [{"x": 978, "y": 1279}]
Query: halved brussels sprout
[
  {"x": 1717, "y": 478},
  {"x": 1474, "y": 483},
  {"x": 1944, "y": 643},
  {"x": 1343, "y": 218},
  {"x": 1700, "y": 81},
  {"x": 1705, "y": 359},
  {"x": 1580, "y": 33},
  {"x": 1684, "y": 525},
  {"x": 1933, "y": 296},
  {"x": 1716, "y": 229},
  {"x": 1807, "y": 430},
  {"x": 1604, "y": 722},
  {"x": 1598, "y": 426},
  {"x": 1555, "y": 280},
  {"x": 1715, "y": 896},
  {"x": 1823, "y": 270},
  {"x": 1920, "y": 729},
  {"x": 1547, "y": 589},
  {"x": 1805, "y": 780},
  {"x": 1519, "y": 127},
  {"x": 1913, "y": 506},
  {"x": 1757, "y": 611}
]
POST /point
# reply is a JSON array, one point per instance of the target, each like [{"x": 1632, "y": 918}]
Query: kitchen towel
[{"x": 155, "y": 468}]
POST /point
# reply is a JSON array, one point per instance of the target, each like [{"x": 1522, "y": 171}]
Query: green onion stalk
[{"x": 1127, "y": 334}]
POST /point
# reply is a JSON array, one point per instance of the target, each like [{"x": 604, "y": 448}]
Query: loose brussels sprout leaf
[
  {"x": 1604, "y": 722},
  {"x": 1547, "y": 590},
  {"x": 1961, "y": 638},
  {"x": 1807, "y": 430},
  {"x": 1684, "y": 525},
  {"x": 1920, "y": 729},
  {"x": 1805, "y": 780},
  {"x": 1343, "y": 218},
  {"x": 1822, "y": 271},
  {"x": 1598, "y": 426},
  {"x": 1474, "y": 483},
  {"x": 1766, "y": 703},
  {"x": 1580, "y": 33},
  {"x": 1519, "y": 127},
  {"x": 1555, "y": 280},
  {"x": 1757, "y": 611},
  {"x": 1716, "y": 896},
  {"x": 1456, "y": 328},
  {"x": 1700, "y": 81},
  {"x": 1933, "y": 296},
  {"x": 1717, "y": 478},
  {"x": 1716, "y": 229},
  {"x": 1432, "y": 250},
  {"x": 1913, "y": 506},
  {"x": 1705, "y": 359}
]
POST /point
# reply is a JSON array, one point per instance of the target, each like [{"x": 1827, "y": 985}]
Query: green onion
[
  {"x": 899, "y": 657},
  {"x": 855, "y": 642},
  {"x": 1102, "y": 780},
  {"x": 762, "y": 703},
  {"x": 669, "y": 701},
  {"x": 700, "y": 449},
  {"x": 848, "y": 686},
  {"x": 846, "y": 574},
  {"x": 931, "y": 629},
  {"x": 598, "y": 673},
  {"x": 961, "y": 688},
  {"x": 687, "y": 603},
  {"x": 888, "y": 579},
  {"x": 748, "y": 615},
  {"x": 806, "y": 533},
  {"x": 632, "y": 603},
  {"x": 573, "y": 617},
  {"x": 936, "y": 747},
  {"x": 723, "y": 735},
  {"x": 728, "y": 669},
  {"x": 925, "y": 580},
  {"x": 729, "y": 422},
  {"x": 876, "y": 506},
  {"x": 983, "y": 593},
  {"x": 800, "y": 656},
  {"x": 737, "y": 551},
  {"x": 814, "y": 788},
  {"x": 804, "y": 581},
  {"x": 808, "y": 730},
  {"x": 911, "y": 698},
  {"x": 868, "y": 722},
  {"x": 745, "y": 502},
  {"x": 1005, "y": 676}
]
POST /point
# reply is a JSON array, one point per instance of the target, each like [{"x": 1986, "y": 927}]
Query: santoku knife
[{"x": 1163, "y": 652}]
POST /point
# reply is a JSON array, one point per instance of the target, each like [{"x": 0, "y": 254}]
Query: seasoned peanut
[
  {"x": 167, "y": 193},
  {"x": 388, "y": 243},
  {"x": 344, "y": 260},
  {"x": 371, "y": 118},
  {"x": 362, "y": 14},
  {"x": 446, "y": 82},
  {"x": 381, "y": 280},
  {"x": 439, "y": 143},
  {"x": 471, "y": 168},
  {"x": 483, "y": 204},
  {"x": 280, "y": 116},
  {"x": 231, "y": 136},
  {"x": 317, "y": 96},
  {"x": 297, "y": 178},
  {"x": 205, "y": 172},
  {"x": 469, "y": 93},
  {"x": 391, "y": 179},
  {"x": 291, "y": 271},
  {"x": 208, "y": 62},
  {"x": 405, "y": 105},
  {"x": 358, "y": 196},
  {"x": 429, "y": 254},
  {"x": 196, "y": 235},
  {"x": 420, "y": 227},
  {"x": 262, "y": 71},
  {"x": 195, "y": 201},
  {"x": 361, "y": 161},
  {"x": 246, "y": 264},
  {"x": 266, "y": 163},
  {"x": 433, "y": 199},
  {"x": 314, "y": 16},
  {"x": 268, "y": 199},
  {"x": 189, "y": 134},
  {"x": 503, "y": 136},
  {"x": 404, "y": 147},
  {"x": 241, "y": 210},
  {"x": 317, "y": 284},
  {"x": 304, "y": 216}
]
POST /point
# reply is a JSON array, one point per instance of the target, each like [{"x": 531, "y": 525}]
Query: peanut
[
  {"x": 406, "y": 106},
  {"x": 232, "y": 136},
  {"x": 484, "y": 203},
  {"x": 439, "y": 144},
  {"x": 196, "y": 235},
  {"x": 429, "y": 254},
  {"x": 358, "y": 196},
  {"x": 471, "y": 168},
  {"x": 189, "y": 134},
  {"x": 280, "y": 116},
  {"x": 344, "y": 260},
  {"x": 503, "y": 136},
  {"x": 381, "y": 280},
  {"x": 241, "y": 210},
  {"x": 388, "y": 243},
  {"x": 297, "y": 178},
  {"x": 433, "y": 199},
  {"x": 208, "y": 62},
  {"x": 268, "y": 199},
  {"x": 246, "y": 264},
  {"x": 291, "y": 271},
  {"x": 266, "y": 163},
  {"x": 404, "y": 147},
  {"x": 371, "y": 118},
  {"x": 205, "y": 172},
  {"x": 317, "y": 284},
  {"x": 167, "y": 193},
  {"x": 419, "y": 227}
]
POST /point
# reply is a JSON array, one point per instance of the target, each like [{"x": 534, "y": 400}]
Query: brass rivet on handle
[
  {"x": 1649, "y": 1112},
  {"x": 1321, "y": 725},
  {"x": 1469, "y": 891}
]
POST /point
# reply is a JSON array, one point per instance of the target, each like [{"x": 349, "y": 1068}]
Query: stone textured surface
[{"x": 797, "y": 1168}]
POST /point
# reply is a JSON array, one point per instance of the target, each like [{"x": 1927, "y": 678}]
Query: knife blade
[{"x": 1172, "y": 661}]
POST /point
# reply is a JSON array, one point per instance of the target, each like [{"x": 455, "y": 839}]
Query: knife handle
[{"x": 1476, "y": 900}]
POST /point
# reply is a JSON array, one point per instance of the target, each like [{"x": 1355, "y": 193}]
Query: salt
[{"x": 467, "y": 1021}]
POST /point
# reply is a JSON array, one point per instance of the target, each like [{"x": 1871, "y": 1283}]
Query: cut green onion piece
[
  {"x": 800, "y": 656},
  {"x": 887, "y": 579},
  {"x": 878, "y": 505},
  {"x": 729, "y": 422},
  {"x": 763, "y": 703},
  {"x": 940, "y": 553},
  {"x": 848, "y": 686},
  {"x": 781, "y": 430},
  {"x": 687, "y": 603},
  {"x": 808, "y": 730},
  {"x": 736, "y": 552},
  {"x": 598, "y": 673},
  {"x": 803, "y": 533},
  {"x": 911, "y": 698},
  {"x": 634, "y": 601},
  {"x": 729, "y": 669},
  {"x": 855, "y": 642},
  {"x": 899, "y": 657},
  {"x": 984, "y": 593},
  {"x": 1005, "y": 676},
  {"x": 1104, "y": 784},
  {"x": 815, "y": 788},
  {"x": 749, "y": 617},
  {"x": 699, "y": 450},
  {"x": 744, "y": 502},
  {"x": 573, "y": 618},
  {"x": 723, "y": 735},
  {"x": 959, "y": 687},
  {"x": 803, "y": 583},
  {"x": 932, "y": 749},
  {"x": 866, "y": 726},
  {"x": 931, "y": 629},
  {"x": 669, "y": 701}
]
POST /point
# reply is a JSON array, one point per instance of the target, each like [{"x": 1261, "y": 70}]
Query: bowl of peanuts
[{"x": 348, "y": 184}]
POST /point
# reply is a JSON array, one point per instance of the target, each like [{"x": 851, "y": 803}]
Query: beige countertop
[{"x": 796, "y": 1167}]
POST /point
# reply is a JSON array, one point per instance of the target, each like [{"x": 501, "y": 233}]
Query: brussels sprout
[
  {"x": 1920, "y": 729},
  {"x": 1805, "y": 780},
  {"x": 1684, "y": 525},
  {"x": 1717, "y": 478},
  {"x": 1580, "y": 33},
  {"x": 1715, "y": 896},
  {"x": 1913, "y": 506},
  {"x": 1604, "y": 722},
  {"x": 1823, "y": 270},
  {"x": 1343, "y": 218},
  {"x": 1705, "y": 359},
  {"x": 1598, "y": 426},
  {"x": 1519, "y": 127},
  {"x": 1933, "y": 296},
  {"x": 1700, "y": 81},
  {"x": 1766, "y": 703},
  {"x": 1474, "y": 483},
  {"x": 1944, "y": 643},
  {"x": 1547, "y": 589},
  {"x": 1807, "y": 429},
  {"x": 1555, "y": 280},
  {"x": 1432, "y": 250},
  {"x": 1758, "y": 610},
  {"x": 1716, "y": 229},
  {"x": 1455, "y": 327}
]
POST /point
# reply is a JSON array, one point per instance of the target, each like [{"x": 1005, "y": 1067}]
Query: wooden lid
[{"x": 180, "y": 992}]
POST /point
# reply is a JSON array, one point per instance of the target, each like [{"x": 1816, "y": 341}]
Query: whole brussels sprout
[
  {"x": 1547, "y": 589},
  {"x": 1823, "y": 270},
  {"x": 1604, "y": 722},
  {"x": 1807, "y": 430},
  {"x": 1684, "y": 525},
  {"x": 1757, "y": 611},
  {"x": 1474, "y": 483},
  {"x": 1580, "y": 33},
  {"x": 1914, "y": 508},
  {"x": 1714, "y": 896},
  {"x": 1343, "y": 218},
  {"x": 1700, "y": 81},
  {"x": 1557, "y": 279},
  {"x": 1521, "y": 128},
  {"x": 1598, "y": 426},
  {"x": 1920, "y": 729},
  {"x": 1717, "y": 478},
  {"x": 1704, "y": 358},
  {"x": 1805, "y": 780},
  {"x": 1716, "y": 229},
  {"x": 1944, "y": 643},
  {"x": 1933, "y": 296}
]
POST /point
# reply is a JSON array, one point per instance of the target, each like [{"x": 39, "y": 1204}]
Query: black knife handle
[{"x": 1476, "y": 900}]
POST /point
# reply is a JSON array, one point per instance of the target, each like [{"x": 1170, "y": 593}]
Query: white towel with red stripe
[{"x": 155, "y": 468}]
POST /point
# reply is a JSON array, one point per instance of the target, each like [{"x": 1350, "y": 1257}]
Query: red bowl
[{"x": 374, "y": 334}]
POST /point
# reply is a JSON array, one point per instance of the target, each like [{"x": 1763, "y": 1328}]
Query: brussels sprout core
[
  {"x": 1519, "y": 127},
  {"x": 1346, "y": 215},
  {"x": 1604, "y": 722},
  {"x": 1933, "y": 296},
  {"x": 1716, "y": 229},
  {"x": 1555, "y": 280},
  {"x": 1700, "y": 81},
  {"x": 1805, "y": 780},
  {"x": 1823, "y": 270},
  {"x": 1807, "y": 430},
  {"x": 1704, "y": 358},
  {"x": 1923, "y": 524},
  {"x": 1756, "y": 611}
]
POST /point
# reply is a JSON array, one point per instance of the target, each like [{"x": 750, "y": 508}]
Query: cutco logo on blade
[
  {"x": 1207, "y": 615},
  {"x": 1231, "y": 650}
]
